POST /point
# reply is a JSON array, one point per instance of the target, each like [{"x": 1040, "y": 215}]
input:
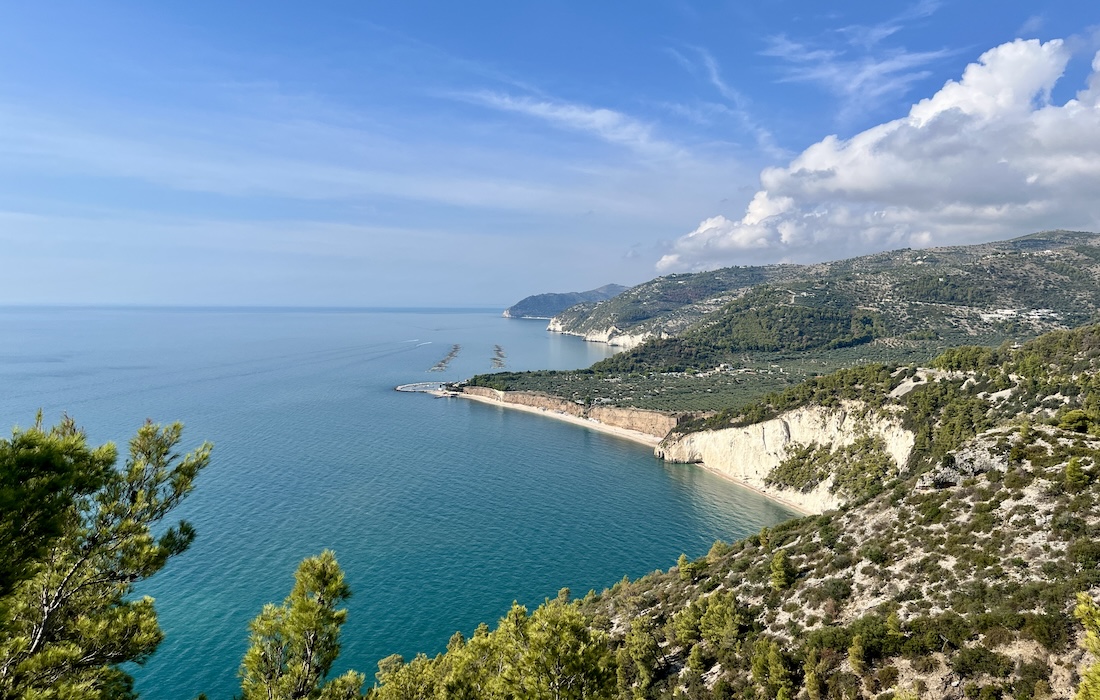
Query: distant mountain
[
  {"x": 549, "y": 305},
  {"x": 716, "y": 340},
  {"x": 1042, "y": 281}
]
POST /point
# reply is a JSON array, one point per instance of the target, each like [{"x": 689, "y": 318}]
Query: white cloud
[
  {"x": 606, "y": 124},
  {"x": 988, "y": 156}
]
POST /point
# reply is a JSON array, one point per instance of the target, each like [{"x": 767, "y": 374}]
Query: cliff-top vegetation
[
  {"x": 955, "y": 575},
  {"x": 719, "y": 339}
]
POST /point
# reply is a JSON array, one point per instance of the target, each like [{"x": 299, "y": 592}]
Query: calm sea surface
[{"x": 441, "y": 511}]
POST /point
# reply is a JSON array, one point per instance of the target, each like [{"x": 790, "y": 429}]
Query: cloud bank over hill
[{"x": 988, "y": 156}]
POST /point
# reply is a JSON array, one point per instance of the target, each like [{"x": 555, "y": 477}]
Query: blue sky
[{"x": 416, "y": 153}]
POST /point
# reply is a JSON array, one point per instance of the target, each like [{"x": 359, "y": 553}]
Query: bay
[{"x": 441, "y": 511}]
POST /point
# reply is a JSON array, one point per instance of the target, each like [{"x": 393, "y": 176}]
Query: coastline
[
  {"x": 802, "y": 511},
  {"x": 632, "y": 435}
]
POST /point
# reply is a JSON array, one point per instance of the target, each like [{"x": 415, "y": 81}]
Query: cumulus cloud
[{"x": 988, "y": 156}]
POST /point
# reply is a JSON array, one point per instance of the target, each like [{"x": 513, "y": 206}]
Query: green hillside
[
  {"x": 1050, "y": 270},
  {"x": 955, "y": 576},
  {"x": 969, "y": 571},
  {"x": 792, "y": 322},
  {"x": 549, "y": 305}
]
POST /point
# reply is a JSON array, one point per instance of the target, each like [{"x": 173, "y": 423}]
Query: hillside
[
  {"x": 663, "y": 306},
  {"x": 1036, "y": 281},
  {"x": 719, "y": 339},
  {"x": 948, "y": 573},
  {"x": 548, "y": 305}
]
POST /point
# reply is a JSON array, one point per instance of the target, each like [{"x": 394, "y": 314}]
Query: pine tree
[
  {"x": 293, "y": 645},
  {"x": 857, "y": 656},
  {"x": 1075, "y": 477},
  {"x": 69, "y": 618},
  {"x": 415, "y": 680},
  {"x": 814, "y": 672},
  {"x": 782, "y": 571},
  {"x": 42, "y": 473},
  {"x": 565, "y": 659},
  {"x": 779, "y": 677},
  {"x": 641, "y": 655},
  {"x": 1088, "y": 612}
]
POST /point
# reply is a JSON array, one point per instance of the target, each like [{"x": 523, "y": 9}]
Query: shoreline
[
  {"x": 802, "y": 512},
  {"x": 632, "y": 435}
]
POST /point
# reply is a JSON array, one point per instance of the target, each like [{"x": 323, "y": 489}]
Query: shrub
[{"x": 974, "y": 661}]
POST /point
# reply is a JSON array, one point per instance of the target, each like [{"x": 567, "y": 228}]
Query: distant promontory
[{"x": 550, "y": 305}]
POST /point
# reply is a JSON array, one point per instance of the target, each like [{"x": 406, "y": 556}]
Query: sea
[{"x": 441, "y": 511}]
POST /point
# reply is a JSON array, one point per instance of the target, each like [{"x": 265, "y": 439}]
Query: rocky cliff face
[
  {"x": 652, "y": 423},
  {"x": 748, "y": 454},
  {"x": 611, "y": 335}
]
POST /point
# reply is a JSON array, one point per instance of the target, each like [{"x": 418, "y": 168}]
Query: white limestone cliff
[
  {"x": 748, "y": 454},
  {"x": 611, "y": 336}
]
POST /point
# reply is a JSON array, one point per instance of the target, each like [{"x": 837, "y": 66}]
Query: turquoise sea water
[{"x": 441, "y": 511}]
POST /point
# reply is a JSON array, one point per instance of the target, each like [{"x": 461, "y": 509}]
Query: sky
[{"x": 356, "y": 153}]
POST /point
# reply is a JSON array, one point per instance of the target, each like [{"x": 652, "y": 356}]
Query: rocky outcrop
[
  {"x": 748, "y": 454},
  {"x": 653, "y": 423},
  {"x": 611, "y": 336}
]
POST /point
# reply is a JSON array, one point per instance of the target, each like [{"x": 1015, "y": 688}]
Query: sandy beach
[{"x": 634, "y": 435}]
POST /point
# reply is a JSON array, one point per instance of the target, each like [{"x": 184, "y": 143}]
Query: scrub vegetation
[
  {"x": 719, "y": 339},
  {"x": 969, "y": 572}
]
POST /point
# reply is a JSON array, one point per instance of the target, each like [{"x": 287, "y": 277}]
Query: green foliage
[
  {"x": 690, "y": 570},
  {"x": 761, "y": 321},
  {"x": 1075, "y": 477},
  {"x": 415, "y": 680},
  {"x": 857, "y": 656},
  {"x": 552, "y": 654},
  {"x": 967, "y": 358},
  {"x": 787, "y": 323},
  {"x": 69, "y": 617},
  {"x": 724, "y": 622},
  {"x": 660, "y": 298},
  {"x": 564, "y": 657},
  {"x": 974, "y": 661},
  {"x": 547, "y": 305},
  {"x": 1076, "y": 420},
  {"x": 293, "y": 645},
  {"x": 803, "y": 468},
  {"x": 639, "y": 659},
  {"x": 1088, "y": 613},
  {"x": 42, "y": 473},
  {"x": 782, "y": 571},
  {"x": 861, "y": 469}
]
